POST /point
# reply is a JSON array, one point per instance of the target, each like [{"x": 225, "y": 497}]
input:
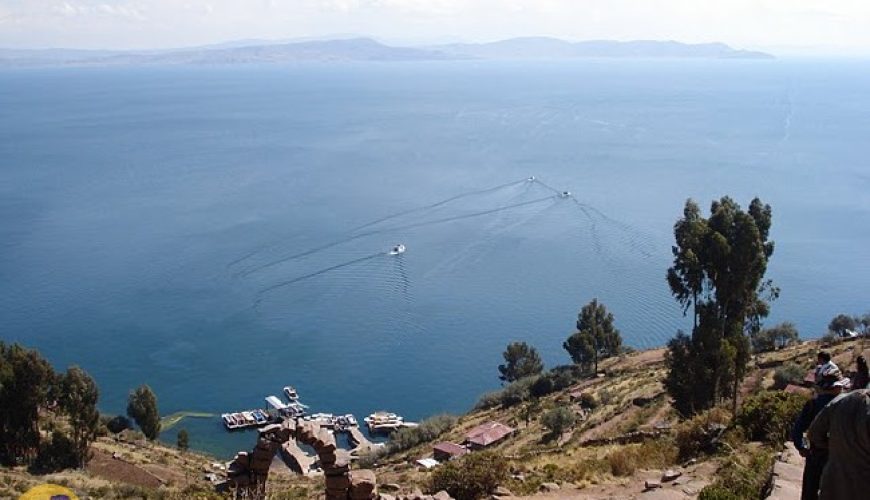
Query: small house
[
  {"x": 487, "y": 434},
  {"x": 448, "y": 451}
]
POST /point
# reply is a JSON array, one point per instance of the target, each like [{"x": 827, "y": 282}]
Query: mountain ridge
[{"x": 369, "y": 49}]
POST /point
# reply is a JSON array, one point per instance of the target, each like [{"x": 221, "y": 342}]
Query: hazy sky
[{"x": 842, "y": 25}]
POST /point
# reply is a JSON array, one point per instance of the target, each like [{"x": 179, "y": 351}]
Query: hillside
[{"x": 626, "y": 444}]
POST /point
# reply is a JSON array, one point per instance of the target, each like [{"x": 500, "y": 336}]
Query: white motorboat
[
  {"x": 291, "y": 393},
  {"x": 398, "y": 249}
]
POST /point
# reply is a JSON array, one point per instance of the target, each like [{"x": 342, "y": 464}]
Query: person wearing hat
[
  {"x": 829, "y": 384},
  {"x": 843, "y": 429}
]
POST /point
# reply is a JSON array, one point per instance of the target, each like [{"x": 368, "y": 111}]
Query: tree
[
  {"x": 841, "y": 323},
  {"x": 717, "y": 272},
  {"x": 142, "y": 408},
  {"x": 558, "y": 420},
  {"x": 183, "y": 440},
  {"x": 27, "y": 381},
  {"x": 776, "y": 337},
  {"x": 521, "y": 360},
  {"x": 596, "y": 337},
  {"x": 78, "y": 399}
]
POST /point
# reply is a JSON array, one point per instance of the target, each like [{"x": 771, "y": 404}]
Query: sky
[{"x": 792, "y": 25}]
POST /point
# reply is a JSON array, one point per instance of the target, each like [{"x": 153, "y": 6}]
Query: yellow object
[{"x": 48, "y": 492}]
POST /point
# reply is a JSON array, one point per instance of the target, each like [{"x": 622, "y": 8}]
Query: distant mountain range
[{"x": 366, "y": 49}]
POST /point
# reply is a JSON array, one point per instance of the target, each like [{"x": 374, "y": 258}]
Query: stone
[
  {"x": 501, "y": 491},
  {"x": 549, "y": 487},
  {"x": 337, "y": 482},
  {"x": 442, "y": 495},
  {"x": 670, "y": 475},
  {"x": 390, "y": 487},
  {"x": 651, "y": 484},
  {"x": 362, "y": 483}
]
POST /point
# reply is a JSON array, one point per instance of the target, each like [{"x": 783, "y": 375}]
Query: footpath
[{"x": 787, "y": 473}]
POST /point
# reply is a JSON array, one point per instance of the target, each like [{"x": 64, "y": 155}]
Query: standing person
[
  {"x": 843, "y": 428},
  {"x": 829, "y": 384},
  {"x": 862, "y": 374}
]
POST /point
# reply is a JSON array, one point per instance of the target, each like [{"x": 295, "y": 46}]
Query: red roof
[
  {"x": 451, "y": 449},
  {"x": 488, "y": 433}
]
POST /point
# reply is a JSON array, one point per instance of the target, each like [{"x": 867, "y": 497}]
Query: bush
[
  {"x": 542, "y": 386},
  {"x": 471, "y": 477},
  {"x": 117, "y": 424},
  {"x": 648, "y": 455},
  {"x": 789, "y": 373},
  {"x": 588, "y": 401},
  {"x": 743, "y": 475},
  {"x": 558, "y": 420},
  {"x": 769, "y": 415},
  {"x": 488, "y": 400},
  {"x": 517, "y": 392},
  {"x": 697, "y": 435},
  {"x": 717, "y": 492},
  {"x": 428, "y": 430}
]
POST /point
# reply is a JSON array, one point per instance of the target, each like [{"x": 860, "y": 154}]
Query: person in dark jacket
[
  {"x": 843, "y": 428},
  {"x": 829, "y": 384},
  {"x": 862, "y": 374}
]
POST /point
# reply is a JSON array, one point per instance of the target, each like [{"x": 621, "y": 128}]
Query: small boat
[
  {"x": 531, "y": 179},
  {"x": 398, "y": 249},
  {"x": 351, "y": 420},
  {"x": 565, "y": 194},
  {"x": 382, "y": 421},
  {"x": 291, "y": 393},
  {"x": 260, "y": 417},
  {"x": 229, "y": 421}
]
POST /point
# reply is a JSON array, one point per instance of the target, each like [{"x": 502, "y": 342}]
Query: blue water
[{"x": 155, "y": 223}]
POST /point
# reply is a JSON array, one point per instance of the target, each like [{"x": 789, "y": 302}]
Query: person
[
  {"x": 824, "y": 362},
  {"x": 843, "y": 429},
  {"x": 862, "y": 374},
  {"x": 829, "y": 384}
]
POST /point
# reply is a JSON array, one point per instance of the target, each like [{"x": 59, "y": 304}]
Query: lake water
[{"x": 219, "y": 233}]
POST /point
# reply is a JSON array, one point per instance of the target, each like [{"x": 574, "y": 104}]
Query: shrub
[
  {"x": 470, "y": 477},
  {"x": 429, "y": 429},
  {"x": 558, "y": 420},
  {"x": 743, "y": 475},
  {"x": 789, "y": 373},
  {"x": 117, "y": 424},
  {"x": 768, "y": 416},
  {"x": 517, "y": 392},
  {"x": 542, "y": 386},
  {"x": 626, "y": 460},
  {"x": 697, "y": 434},
  {"x": 488, "y": 400},
  {"x": 829, "y": 338},
  {"x": 588, "y": 401},
  {"x": 717, "y": 492}
]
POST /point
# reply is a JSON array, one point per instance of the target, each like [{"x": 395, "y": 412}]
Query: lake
[{"x": 220, "y": 232}]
